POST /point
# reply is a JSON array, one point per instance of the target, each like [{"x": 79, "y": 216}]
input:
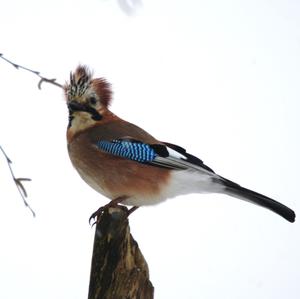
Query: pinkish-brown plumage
[
  {"x": 103, "y": 89},
  {"x": 113, "y": 176}
]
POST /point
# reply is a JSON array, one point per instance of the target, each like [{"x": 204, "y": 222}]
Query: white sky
[{"x": 220, "y": 78}]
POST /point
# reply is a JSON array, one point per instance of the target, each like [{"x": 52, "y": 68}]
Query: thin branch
[
  {"x": 42, "y": 79},
  {"x": 18, "y": 182}
]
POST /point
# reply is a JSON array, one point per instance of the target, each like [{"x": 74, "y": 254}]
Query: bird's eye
[{"x": 92, "y": 101}]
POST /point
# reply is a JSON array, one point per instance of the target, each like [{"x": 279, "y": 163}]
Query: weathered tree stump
[{"x": 118, "y": 270}]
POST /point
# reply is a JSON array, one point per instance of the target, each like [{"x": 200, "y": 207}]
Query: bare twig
[
  {"x": 18, "y": 182},
  {"x": 42, "y": 79}
]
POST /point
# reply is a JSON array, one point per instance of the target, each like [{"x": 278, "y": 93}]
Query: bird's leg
[
  {"x": 131, "y": 210},
  {"x": 112, "y": 203}
]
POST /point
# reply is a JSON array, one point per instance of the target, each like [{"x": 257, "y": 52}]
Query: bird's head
[{"x": 87, "y": 98}]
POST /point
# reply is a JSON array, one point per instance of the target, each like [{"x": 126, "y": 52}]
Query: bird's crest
[{"x": 81, "y": 80}]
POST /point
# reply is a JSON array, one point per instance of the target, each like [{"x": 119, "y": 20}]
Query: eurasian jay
[{"x": 128, "y": 165}]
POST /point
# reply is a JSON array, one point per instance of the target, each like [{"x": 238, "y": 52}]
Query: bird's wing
[
  {"x": 174, "y": 157},
  {"x": 163, "y": 154}
]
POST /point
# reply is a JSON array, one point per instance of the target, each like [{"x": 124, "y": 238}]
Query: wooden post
[{"x": 118, "y": 270}]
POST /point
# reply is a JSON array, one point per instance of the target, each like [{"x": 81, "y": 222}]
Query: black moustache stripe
[{"x": 74, "y": 106}]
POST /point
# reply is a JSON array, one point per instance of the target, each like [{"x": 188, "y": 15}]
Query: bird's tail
[{"x": 236, "y": 190}]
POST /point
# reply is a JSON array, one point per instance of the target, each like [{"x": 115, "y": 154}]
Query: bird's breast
[{"x": 114, "y": 176}]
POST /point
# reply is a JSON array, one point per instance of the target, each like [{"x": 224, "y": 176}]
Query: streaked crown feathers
[{"x": 81, "y": 82}]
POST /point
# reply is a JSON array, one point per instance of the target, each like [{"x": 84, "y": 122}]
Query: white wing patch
[{"x": 175, "y": 154}]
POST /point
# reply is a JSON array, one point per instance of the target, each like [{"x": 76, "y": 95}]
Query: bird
[{"x": 129, "y": 166}]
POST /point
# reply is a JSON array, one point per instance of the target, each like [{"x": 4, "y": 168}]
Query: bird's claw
[
  {"x": 114, "y": 203},
  {"x": 96, "y": 216}
]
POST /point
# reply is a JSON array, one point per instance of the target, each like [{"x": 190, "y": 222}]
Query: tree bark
[{"x": 118, "y": 270}]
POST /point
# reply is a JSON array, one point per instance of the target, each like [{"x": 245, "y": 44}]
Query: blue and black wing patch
[
  {"x": 165, "y": 155},
  {"x": 129, "y": 149}
]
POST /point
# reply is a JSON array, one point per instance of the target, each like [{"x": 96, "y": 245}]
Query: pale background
[{"x": 220, "y": 78}]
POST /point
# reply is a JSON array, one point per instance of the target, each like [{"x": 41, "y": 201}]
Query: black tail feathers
[{"x": 236, "y": 190}]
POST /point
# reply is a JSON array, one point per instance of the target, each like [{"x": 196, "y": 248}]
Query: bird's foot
[{"x": 96, "y": 215}]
